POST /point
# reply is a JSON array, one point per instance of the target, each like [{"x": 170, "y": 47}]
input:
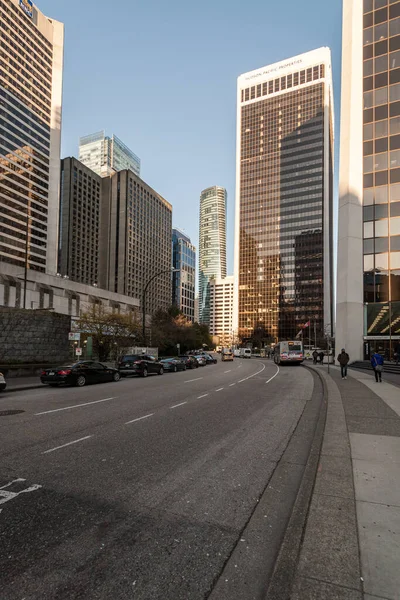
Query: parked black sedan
[
  {"x": 190, "y": 361},
  {"x": 80, "y": 373},
  {"x": 210, "y": 360},
  {"x": 139, "y": 364},
  {"x": 173, "y": 364}
]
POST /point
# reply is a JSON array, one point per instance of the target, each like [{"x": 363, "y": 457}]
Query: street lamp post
[{"x": 144, "y": 299}]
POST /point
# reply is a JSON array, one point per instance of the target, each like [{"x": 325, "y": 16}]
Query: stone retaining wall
[{"x": 33, "y": 336}]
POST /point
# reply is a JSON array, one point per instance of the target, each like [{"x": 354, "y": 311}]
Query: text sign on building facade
[
  {"x": 74, "y": 337},
  {"x": 27, "y": 7}
]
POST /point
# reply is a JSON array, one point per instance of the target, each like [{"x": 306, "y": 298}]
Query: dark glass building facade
[
  {"x": 31, "y": 52},
  {"x": 184, "y": 277},
  {"x": 381, "y": 174},
  {"x": 284, "y": 198}
]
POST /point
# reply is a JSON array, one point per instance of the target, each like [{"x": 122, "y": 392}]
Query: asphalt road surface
[{"x": 139, "y": 489}]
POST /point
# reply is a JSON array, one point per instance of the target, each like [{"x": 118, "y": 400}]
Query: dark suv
[{"x": 139, "y": 364}]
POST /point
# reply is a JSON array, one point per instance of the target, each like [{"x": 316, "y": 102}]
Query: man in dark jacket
[
  {"x": 315, "y": 356},
  {"x": 343, "y": 360},
  {"x": 377, "y": 365},
  {"x": 397, "y": 354}
]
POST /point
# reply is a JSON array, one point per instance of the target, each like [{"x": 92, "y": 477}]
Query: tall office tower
[
  {"x": 135, "y": 234},
  {"x": 221, "y": 310},
  {"x": 212, "y": 253},
  {"x": 106, "y": 156},
  {"x": 31, "y": 67},
  {"x": 183, "y": 279},
  {"x": 283, "y": 225},
  {"x": 368, "y": 290},
  {"x": 80, "y": 200}
]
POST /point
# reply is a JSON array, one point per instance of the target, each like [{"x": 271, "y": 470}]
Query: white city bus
[{"x": 289, "y": 353}]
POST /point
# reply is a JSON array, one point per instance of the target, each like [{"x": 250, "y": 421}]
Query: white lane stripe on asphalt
[
  {"x": 250, "y": 376},
  {"x": 47, "y": 412},
  {"x": 176, "y": 405},
  {"x": 190, "y": 380},
  {"x": 232, "y": 384},
  {"x": 230, "y": 371},
  {"x": 219, "y": 390},
  {"x": 203, "y": 396},
  {"x": 277, "y": 373},
  {"x": 69, "y": 444},
  {"x": 139, "y": 419}
]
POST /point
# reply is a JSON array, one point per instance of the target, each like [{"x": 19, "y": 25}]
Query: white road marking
[
  {"x": 190, "y": 380},
  {"x": 219, "y": 390},
  {"x": 176, "y": 405},
  {"x": 203, "y": 396},
  {"x": 69, "y": 444},
  {"x": 277, "y": 373},
  {"x": 47, "y": 412},
  {"x": 232, "y": 384},
  {"x": 230, "y": 371},
  {"x": 250, "y": 376},
  {"x": 139, "y": 419},
  {"x": 6, "y": 496}
]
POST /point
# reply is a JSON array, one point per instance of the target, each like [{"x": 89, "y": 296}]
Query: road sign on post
[
  {"x": 74, "y": 337},
  {"x": 179, "y": 348},
  {"x": 78, "y": 351}
]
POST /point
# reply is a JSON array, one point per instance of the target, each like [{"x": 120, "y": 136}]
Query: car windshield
[{"x": 131, "y": 358}]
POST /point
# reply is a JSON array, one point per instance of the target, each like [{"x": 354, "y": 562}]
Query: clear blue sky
[{"x": 161, "y": 75}]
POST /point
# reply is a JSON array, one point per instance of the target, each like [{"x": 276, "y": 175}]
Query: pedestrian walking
[
  {"x": 377, "y": 365},
  {"x": 321, "y": 358},
  {"x": 343, "y": 360},
  {"x": 315, "y": 356}
]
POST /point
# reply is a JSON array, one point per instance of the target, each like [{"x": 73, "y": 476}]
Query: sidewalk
[{"x": 351, "y": 545}]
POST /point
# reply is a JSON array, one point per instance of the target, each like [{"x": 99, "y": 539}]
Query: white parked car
[{"x": 3, "y": 384}]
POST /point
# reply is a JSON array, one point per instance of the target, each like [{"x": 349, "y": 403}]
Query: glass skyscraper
[
  {"x": 183, "y": 279},
  {"x": 283, "y": 247},
  {"x": 212, "y": 252},
  {"x": 368, "y": 311},
  {"x": 105, "y": 155},
  {"x": 31, "y": 67}
]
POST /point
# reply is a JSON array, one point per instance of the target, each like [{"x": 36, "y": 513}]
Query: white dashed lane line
[
  {"x": 176, "y": 405},
  {"x": 139, "y": 419},
  {"x": 232, "y": 384},
  {"x": 254, "y": 374},
  {"x": 219, "y": 390},
  {"x": 65, "y": 445},
  {"x": 47, "y": 412},
  {"x": 190, "y": 380},
  {"x": 277, "y": 373},
  {"x": 230, "y": 371},
  {"x": 203, "y": 396}
]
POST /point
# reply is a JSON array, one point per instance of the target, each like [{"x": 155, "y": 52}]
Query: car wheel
[
  {"x": 53, "y": 384},
  {"x": 175, "y": 369},
  {"x": 81, "y": 381},
  {"x": 161, "y": 371},
  {"x": 116, "y": 377},
  {"x": 144, "y": 372}
]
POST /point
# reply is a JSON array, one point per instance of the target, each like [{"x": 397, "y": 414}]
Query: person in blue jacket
[{"x": 377, "y": 365}]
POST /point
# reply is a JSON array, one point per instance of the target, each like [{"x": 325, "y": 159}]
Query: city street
[{"x": 140, "y": 488}]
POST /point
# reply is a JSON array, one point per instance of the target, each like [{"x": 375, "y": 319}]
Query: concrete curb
[
  {"x": 329, "y": 559},
  {"x": 283, "y": 577},
  {"x": 21, "y": 388}
]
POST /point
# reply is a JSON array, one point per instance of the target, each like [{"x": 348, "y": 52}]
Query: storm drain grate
[{"x": 7, "y": 413}]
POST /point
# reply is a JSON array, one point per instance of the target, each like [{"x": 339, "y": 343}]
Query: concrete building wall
[
  {"x": 221, "y": 310},
  {"x": 349, "y": 308}
]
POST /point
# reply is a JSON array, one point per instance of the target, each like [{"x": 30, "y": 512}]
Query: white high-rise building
[
  {"x": 284, "y": 198},
  {"x": 368, "y": 288},
  {"x": 212, "y": 245},
  {"x": 31, "y": 71},
  {"x": 221, "y": 310},
  {"x": 106, "y": 156}
]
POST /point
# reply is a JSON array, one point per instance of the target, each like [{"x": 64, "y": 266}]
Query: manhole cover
[{"x": 7, "y": 413}]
